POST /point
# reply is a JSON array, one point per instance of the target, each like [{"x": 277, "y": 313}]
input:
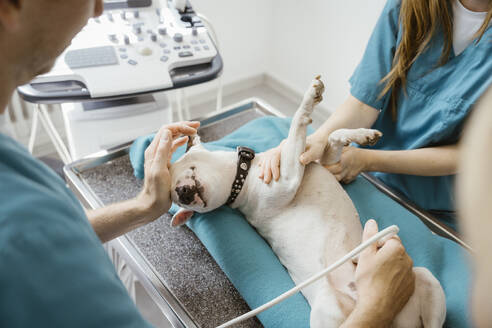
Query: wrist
[
  {"x": 368, "y": 159},
  {"x": 367, "y": 317},
  {"x": 148, "y": 207}
]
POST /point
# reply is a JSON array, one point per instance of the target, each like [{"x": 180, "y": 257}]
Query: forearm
[
  {"x": 433, "y": 161},
  {"x": 117, "y": 219},
  {"x": 352, "y": 114}
]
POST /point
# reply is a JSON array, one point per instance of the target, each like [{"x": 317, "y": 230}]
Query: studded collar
[{"x": 245, "y": 156}]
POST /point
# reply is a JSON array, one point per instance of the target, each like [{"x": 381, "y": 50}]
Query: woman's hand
[
  {"x": 156, "y": 193},
  {"x": 270, "y": 160},
  {"x": 270, "y": 164},
  {"x": 384, "y": 280},
  {"x": 352, "y": 162},
  {"x": 315, "y": 148}
]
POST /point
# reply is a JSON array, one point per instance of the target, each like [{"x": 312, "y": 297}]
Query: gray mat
[{"x": 176, "y": 253}]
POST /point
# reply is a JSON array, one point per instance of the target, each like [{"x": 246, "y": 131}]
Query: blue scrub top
[
  {"x": 434, "y": 108},
  {"x": 54, "y": 271}
]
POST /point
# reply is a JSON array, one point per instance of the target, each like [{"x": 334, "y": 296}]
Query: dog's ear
[{"x": 181, "y": 217}]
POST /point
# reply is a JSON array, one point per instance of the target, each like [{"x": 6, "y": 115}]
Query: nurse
[{"x": 425, "y": 66}]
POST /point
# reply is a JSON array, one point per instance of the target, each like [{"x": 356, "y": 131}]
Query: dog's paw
[
  {"x": 362, "y": 137},
  {"x": 314, "y": 95}
]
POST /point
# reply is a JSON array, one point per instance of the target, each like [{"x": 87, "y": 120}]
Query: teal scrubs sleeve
[
  {"x": 377, "y": 59},
  {"x": 54, "y": 270}
]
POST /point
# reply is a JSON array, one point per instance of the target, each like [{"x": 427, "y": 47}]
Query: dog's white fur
[{"x": 306, "y": 217}]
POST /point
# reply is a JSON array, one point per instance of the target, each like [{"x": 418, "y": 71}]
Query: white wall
[
  {"x": 292, "y": 40},
  {"x": 326, "y": 37},
  {"x": 242, "y": 28}
]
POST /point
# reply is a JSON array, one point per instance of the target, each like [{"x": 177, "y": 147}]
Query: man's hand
[
  {"x": 156, "y": 193},
  {"x": 385, "y": 282}
]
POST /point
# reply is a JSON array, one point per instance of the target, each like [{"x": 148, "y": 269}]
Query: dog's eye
[{"x": 193, "y": 168}]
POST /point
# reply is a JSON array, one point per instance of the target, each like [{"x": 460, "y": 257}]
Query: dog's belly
[{"x": 318, "y": 227}]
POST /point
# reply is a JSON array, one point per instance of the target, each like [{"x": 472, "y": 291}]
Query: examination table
[{"x": 205, "y": 281}]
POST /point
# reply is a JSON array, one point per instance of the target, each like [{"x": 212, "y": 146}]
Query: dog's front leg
[{"x": 291, "y": 169}]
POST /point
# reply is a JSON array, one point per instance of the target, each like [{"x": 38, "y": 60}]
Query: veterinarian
[
  {"x": 426, "y": 64},
  {"x": 54, "y": 271}
]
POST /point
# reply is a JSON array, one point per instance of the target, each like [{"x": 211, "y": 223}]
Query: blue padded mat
[{"x": 257, "y": 274}]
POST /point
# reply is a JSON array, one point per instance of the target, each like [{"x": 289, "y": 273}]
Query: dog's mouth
[{"x": 191, "y": 193}]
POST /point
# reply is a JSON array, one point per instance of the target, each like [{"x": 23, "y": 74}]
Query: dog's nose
[{"x": 186, "y": 194}]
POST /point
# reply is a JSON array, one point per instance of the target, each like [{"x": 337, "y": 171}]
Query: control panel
[{"x": 135, "y": 47}]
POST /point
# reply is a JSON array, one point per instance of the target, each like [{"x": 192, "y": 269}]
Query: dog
[{"x": 307, "y": 217}]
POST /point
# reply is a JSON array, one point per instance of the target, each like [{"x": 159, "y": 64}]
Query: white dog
[{"x": 306, "y": 217}]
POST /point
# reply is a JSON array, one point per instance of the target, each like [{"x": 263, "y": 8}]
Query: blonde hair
[{"x": 420, "y": 21}]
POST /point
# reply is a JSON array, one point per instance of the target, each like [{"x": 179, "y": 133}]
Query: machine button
[
  {"x": 164, "y": 58},
  {"x": 197, "y": 48},
  {"x": 137, "y": 29},
  {"x": 186, "y": 46},
  {"x": 122, "y": 49},
  {"x": 162, "y": 30},
  {"x": 177, "y": 48},
  {"x": 97, "y": 20},
  {"x": 185, "y": 54},
  {"x": 132, "y": 62},
  {"x": 124, "y": 56},
  {"x": 145, "y": 51},
  {"x": 167, "y": 51},
  {"x": 126, "y": 38},
  {"x": 141, "y": 38},
  {"x": 178, "y": 37},
  {"x": 123, "y": 15},
  {"x": 113, "y": 38},
  {"x": 194, "y": 31},
  {"x": 158, "y": 11},
  {"x": 162, "y": 45},
  {"x": 206, "y": 48},
  {"x": 136, "y": 14},
  {"x": 194, "y": 42},
  {"x": 153, "y": 37},
  {"x": 202, "y": 41},
  {"x": 110, "y": 17}
]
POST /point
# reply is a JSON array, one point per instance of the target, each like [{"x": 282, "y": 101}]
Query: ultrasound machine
[{"x": 117, "y": 70}]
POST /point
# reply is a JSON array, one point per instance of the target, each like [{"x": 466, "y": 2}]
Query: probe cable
[{"x": 392, "y": 230}]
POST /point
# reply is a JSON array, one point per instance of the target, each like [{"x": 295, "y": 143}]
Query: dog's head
[{"x": 199, "y": 181}]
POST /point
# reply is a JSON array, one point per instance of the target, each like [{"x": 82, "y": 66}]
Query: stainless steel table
[{"x": 173, "y": 266}]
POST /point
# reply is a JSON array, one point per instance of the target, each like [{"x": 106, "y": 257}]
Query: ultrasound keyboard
[{"x": 135, "y": 47}]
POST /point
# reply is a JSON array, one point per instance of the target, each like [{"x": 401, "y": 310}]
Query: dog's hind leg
[
  {"x": 291, "y": 170},
  {"x": 344, "y": 137}
]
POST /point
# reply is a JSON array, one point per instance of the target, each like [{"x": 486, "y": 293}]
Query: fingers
[
  {"x": 163, "y": 153},
  {"x": 178, "y": 143},
  {"x": 370, "y": 229},
  {"x": 182, "y": 128},
  {"x": 267, "y": 172},
  {"x": 306, "y": 157},
  {"x": 151, "y": 149},
  {"x": 335, "y": 169},
  {"x": 275, "y": 167},
  {"x": 392, "y": 247}
]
